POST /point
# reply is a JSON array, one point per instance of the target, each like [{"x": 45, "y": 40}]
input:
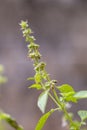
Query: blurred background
[{"x": 60, "y": 27}]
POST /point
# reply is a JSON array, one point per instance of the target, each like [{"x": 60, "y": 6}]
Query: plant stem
[
  {"x": 44, "y": 77},
  {"x": 54, "y": 99},
  {"x": 62, "y": 106}
]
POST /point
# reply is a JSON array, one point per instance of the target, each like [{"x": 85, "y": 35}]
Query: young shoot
[{"x": 60, "y": 95}]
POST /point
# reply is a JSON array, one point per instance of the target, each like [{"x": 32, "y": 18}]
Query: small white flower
[
  {"x": 68, "y": 105},
  {"x": 64, "y": 122}
]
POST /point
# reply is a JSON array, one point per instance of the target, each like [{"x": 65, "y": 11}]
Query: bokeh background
[{"x": 60, "y": 27}]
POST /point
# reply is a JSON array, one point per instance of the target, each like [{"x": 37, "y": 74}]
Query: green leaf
[
  {"x": 69, "y": 98},
  {"x": 47, "y": 84},
  {"x": 45, "y": 75},
  {"x": 65, "y": 88},
  {"x": 82, "y": 114},
  {"x": 12, "y": 122},
  {"x": 67, "y": 92},
  {"x": 37, "y": 86},
  {"x": 75, "y": 125},
  {"x": 42, "y": 100},
  {"x": 30, "y": 78},
  {"x": 37, "y": 78},
  {"x": 43, "y": 120},
  {"x": 81, "y": 94}
]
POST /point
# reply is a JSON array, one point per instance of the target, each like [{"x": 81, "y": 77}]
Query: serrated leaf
[
  {"x": 81, "y": 94},
  {"x": 42, "y": 100},
  {"x": 37, "y": 78},
  {"x": 82, "y": 114},
  {"x": 37, "y": 86},
  {"x": 43, "y": 120},
  {"x": 65, "y": 88}
]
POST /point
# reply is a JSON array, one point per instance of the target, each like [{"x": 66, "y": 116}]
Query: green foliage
[
  {"x": 43, "y": 119},
  {"x": 12, "y": 122},
  {"x": 83, "y": 115},
  {"x": 37, "y": 86},
  {"x": 42, "y": 100},
  {"x": 81, "y": 95},
  {"x": 37, "y": 78},
  {"x": 66, "y": 88},
  {"x": 67, "y": 92},
  {"x": 60, "y": 95}
]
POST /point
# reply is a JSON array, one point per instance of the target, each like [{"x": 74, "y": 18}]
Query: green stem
[
  {"x": 58, "y": 103},
  {"x": 56, "y": 97},
  {"x": 67, "y": 115},
  {"x": 53, "y": 99},
  {"x": 62, "y": 107}
]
